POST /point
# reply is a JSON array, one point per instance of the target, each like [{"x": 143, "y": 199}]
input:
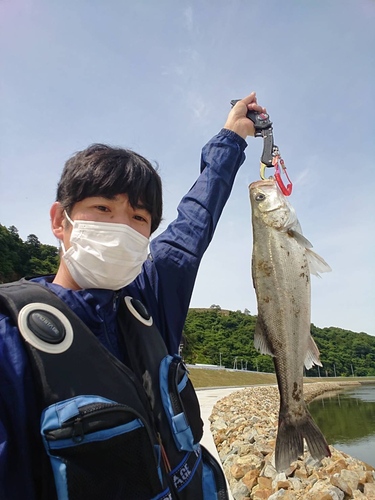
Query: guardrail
[{"x": 222, "y": 368}]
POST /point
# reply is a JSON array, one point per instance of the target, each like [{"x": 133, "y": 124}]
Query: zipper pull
[
  {"x": 115, "y": 297},
  {"x": 167, "y": 465},
  {"x": 78, "y": 433}
]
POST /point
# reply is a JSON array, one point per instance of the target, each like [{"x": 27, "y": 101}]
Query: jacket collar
[{"x": 87, "y": 304}]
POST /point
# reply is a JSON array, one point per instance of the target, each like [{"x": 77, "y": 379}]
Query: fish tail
[
  {"x": 316, "y": 442},
  {"x": 289, "y": 442}
]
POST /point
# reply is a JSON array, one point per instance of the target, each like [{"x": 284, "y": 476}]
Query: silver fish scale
[{"x": 282, "y": 283}]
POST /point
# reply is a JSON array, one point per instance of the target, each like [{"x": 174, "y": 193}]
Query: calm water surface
[{"x": 347, "y": 420}]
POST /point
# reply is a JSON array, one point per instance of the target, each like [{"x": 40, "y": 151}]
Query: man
[{"x": 108, "y": 204}]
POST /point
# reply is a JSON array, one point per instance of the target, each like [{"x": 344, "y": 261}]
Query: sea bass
[{"x": 281, "y": 266}]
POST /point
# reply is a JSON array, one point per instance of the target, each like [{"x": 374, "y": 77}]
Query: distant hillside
[
  {"x": 223, "y": 312},
  {"x": 213, "y": 333},
  {"x": 210, "y": 334},
  {"x": 24, "y": 258}
]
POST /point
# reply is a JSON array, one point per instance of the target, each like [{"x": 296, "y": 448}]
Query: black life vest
[{"x": 111, "y": 431}]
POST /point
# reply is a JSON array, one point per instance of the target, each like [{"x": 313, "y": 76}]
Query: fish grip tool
[{"x": 271, "y": 154}]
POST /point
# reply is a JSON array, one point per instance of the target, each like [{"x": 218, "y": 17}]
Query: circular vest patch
[
  {"x": 138, "y": 310},
  {"x": 45, "y": 328}
]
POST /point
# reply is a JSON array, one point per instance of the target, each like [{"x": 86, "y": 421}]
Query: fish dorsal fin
[
  {"x": 312, "y": 356},
  {"x": 260, "y": 340},
  {"x": 316, "y": 263},
  {"x": 300, "y": 239}
]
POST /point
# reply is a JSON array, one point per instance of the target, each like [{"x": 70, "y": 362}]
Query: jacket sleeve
[
  {"x": 167, "y": 281},
  {"x": 17, "y": 417}
]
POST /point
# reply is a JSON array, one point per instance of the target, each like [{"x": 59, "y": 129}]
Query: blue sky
[{"x": 157, "y": 77}]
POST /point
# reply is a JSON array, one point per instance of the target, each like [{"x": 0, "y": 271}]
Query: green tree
[
  {"x": 19, "y": 258},
  {"x": 215, "y": 307},
  {"x": 207, "y": 334}
]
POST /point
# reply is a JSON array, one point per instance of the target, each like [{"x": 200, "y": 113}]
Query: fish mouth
[{"x": 266, "y": 182}]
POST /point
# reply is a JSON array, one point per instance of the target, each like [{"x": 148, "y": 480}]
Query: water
[{"x": 347, "y": 420}]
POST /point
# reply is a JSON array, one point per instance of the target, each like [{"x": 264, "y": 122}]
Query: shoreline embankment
[{"x": 244, "y": 427}]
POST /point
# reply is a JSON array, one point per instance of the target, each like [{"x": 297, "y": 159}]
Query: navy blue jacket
[{"x": 164, "y": 286}]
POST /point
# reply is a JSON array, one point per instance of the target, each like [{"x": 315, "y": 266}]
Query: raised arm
[{"x": 168, "y": 280}]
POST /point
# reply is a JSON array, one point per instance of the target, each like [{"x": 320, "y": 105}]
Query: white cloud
[
  {"x": 188, "y": 15},
  {"x": 177, "y": 69},
  {"x": 302, "y": 177},
  {"x": 197, "y": 105}
]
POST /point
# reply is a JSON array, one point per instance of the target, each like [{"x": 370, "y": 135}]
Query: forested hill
[
  {"x": 211, "y": 332},
  {"x": 28, "y": 258}
]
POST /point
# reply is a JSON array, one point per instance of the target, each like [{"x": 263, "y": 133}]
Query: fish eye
[{"x": 260, "y": 197}]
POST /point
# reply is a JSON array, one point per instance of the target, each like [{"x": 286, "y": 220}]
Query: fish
[{"x": 282, "y": 262}]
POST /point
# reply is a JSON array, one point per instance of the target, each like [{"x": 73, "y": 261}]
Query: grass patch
[
  {"x": 221, "y": 378},
  {"x": 363, "y": 380}
]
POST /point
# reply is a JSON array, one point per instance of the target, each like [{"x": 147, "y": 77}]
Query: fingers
[
  {"x": 255, "y": 107},
  {"x": 252, "y": 103},
  {"x": 250, "y": 98},
  {"x": 237, "y": 120}
]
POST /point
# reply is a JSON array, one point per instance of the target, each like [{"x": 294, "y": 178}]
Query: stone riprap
[{"x": 244, "y": 427}]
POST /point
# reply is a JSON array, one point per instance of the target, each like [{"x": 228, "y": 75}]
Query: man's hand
[{"x": 237, "y": 120}]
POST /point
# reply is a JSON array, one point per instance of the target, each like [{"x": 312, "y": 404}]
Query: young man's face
[
  {"x": 116, "y": 210},
  {"x": 98, "y": 209}
]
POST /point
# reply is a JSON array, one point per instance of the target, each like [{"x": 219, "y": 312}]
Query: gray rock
[
  {"x": 320, "y": 486},
  {"x": 296, "y": 483},
  {"x": 219, "y": 425},
  {"x": 351, "y": 477},
  {"x": 269, "y": 471},
  {"x": 225, "y": 453},
  {"x": 245, "y": 449},
  {"x": 279, "y": 495},
  {"x": 251, "y": 436},
  {"x": 272, "y": 433},
  {"x": 324, "y": 486},
  {"x": 255, "y": 461},
  {"x": 230, "y": 460},
  {"x": 369, "y": 490},
  {"x": 358, "y": 495},
  {"x": 312, "y": 480},
  {"x": 240, "y": 491},
  {"x": 236, "y": 444},
  {"x": 278, "y": 477},
  {"x": 239, "y": 420},
  {"x": 335, "y": 493},
  {"x": 340, "y": 483},
  {"x": 264, "y": 448},
  {"x": 311, "y": 464},
  {"x": 290, "y": 470}
]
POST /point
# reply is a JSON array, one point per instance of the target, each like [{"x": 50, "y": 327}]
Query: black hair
[{"x": 102, "y": 170}]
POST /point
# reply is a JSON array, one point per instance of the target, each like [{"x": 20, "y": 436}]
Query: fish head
[{"x": 270, "y": 206}]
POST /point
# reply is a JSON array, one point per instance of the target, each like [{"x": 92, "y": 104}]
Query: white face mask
[{"x": 104, "y": 255}]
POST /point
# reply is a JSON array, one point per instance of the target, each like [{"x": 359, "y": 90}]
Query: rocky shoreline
[{"x": 244, "y": 427}]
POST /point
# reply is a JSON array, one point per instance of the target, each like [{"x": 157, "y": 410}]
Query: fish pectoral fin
[
  {"x": 316, "y": 263},
  {"x": 260, "y": 340},
  {"x": 300, "y": 239},
  {"x": 291, "y": 221},
  {"x": 312, "y": 356}
]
